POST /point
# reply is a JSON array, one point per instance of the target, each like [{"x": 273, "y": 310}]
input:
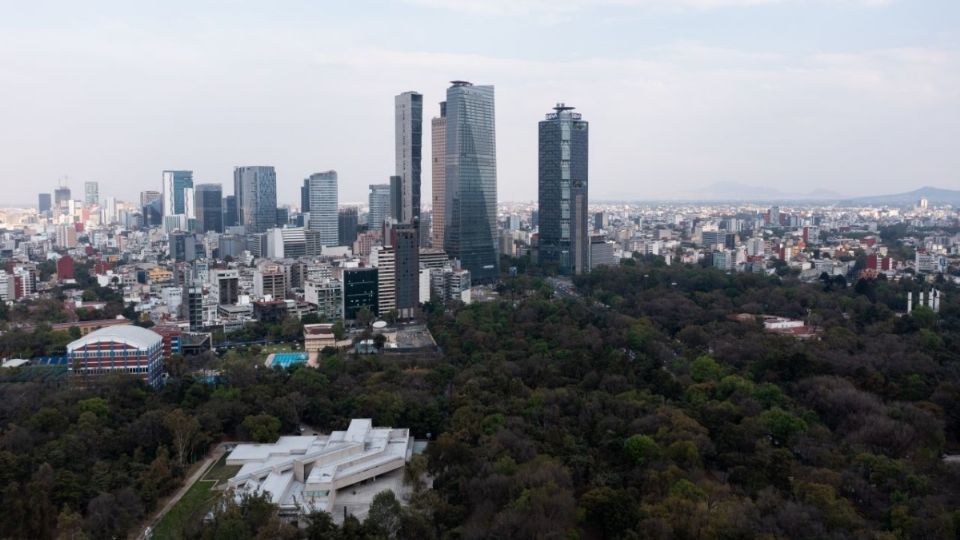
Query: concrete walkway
[{"x": 175, "y": 498}]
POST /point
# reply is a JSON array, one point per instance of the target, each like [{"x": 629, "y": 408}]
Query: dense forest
[{"x": 640, "y": 409}]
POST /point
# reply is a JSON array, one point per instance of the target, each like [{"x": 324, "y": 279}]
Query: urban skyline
[{"x": 701, "y": 93}]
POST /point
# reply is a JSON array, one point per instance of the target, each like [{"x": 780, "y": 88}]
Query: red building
[
  {"x": 65, "y": 268},
  {"x": 172, "y": 338},
  {"x": 876, "y": 262}
]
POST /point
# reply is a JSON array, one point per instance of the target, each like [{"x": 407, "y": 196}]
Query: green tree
[
  {"x": 262, "y": 428},
  {"x": 641, "y": 448}
]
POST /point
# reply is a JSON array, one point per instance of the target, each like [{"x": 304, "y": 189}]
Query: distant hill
[
  {"x": 936, "y": 196},
  {"x": 735, "y": 191}
]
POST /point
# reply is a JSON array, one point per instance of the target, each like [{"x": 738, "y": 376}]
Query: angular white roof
[{"x": 135, "y": 336}]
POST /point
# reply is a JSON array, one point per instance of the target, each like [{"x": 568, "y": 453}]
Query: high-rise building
[
  {"x": 175, "y": 184},
  {"x": 230, "y": 218},
  {"x": 360, "y": 291},
  {"x": 91, "y": 193},
  {"x": 209, "y": 199},
  {"x": 151, "y": 204},
  {"x": 255, "y": 189},
  {"x": 347, "y": 226},
  {"x": 183, "y": 246},
  {"x": 61, "y": 196},
  {"x": 193, "y": 303},
  {"x": 404, "y": 241},
  {"x": 305, "y": 196},
  {"x": 323, "y": 206},
  {"x": 438, "y": 142},
  {"x": 384, "y": 259},
  {"x": 379, "y": 206},
  {"x": 43, "y": 203},
  {"x": 470, "y": 205},
  {"x": 227, "y": 282},
  {"x": 396, "y": 197},
  {"x": 564, "y": 221},
  {"x": 409, "y": 142}
]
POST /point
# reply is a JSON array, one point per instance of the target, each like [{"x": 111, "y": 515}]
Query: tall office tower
[
  {"x": 379, "y": 206},
  {"x": 305, "y": 196},
  {"x": 91, "y": 193},
  {"x": 409, "y": 143},
  {"x": 43, "y": 203},
  {"x": 189, "y": 204},
  {"x": 438, "y": 143},
  {"x": 470, "y": 196},
  {"x": 347, "y": 226},
  {"x": 360, "y": 291},
  {"x": 209, "y": 199},
  {"x": 174, "y": 185},
  {"x": 323, "y": 206},
  {"x": 151, "y": 204},
  {"x": 426, "y": 219},
  {"x": 256, "y": 191},
  {"x": 61, "y": 196},
  {"x": 404, "y": 241},
  {"x": 396, "y": 197},
  {"x": 564, "y": 221},
  {"x": 230, "y": 218},
  {"x": 193, "y": 305}
]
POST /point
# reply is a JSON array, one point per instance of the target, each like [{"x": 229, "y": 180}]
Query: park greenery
[{"x": 649, "y": 406}]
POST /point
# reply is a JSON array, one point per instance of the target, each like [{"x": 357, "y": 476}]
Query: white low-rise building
[{"x": 304, "y": 473}]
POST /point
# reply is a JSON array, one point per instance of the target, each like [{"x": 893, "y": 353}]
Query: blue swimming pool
[{"x": 288, "y": 359}]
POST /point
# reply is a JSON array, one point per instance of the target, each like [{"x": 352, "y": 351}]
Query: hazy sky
[{"x": 854, "y": 96}]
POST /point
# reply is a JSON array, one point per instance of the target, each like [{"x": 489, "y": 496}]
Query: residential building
[
  {"x": 327, "y": 298},
  {"x": 384, "y": 259},
  {"x": 269, "y": 280},
  {"x": 438, "y": 144},
  {"x": 408, "y": 109}
]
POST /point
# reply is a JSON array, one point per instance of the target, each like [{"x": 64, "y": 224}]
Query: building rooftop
[
  {"x": 305, "y": 473},
  {"x": 135, "y": 336}
]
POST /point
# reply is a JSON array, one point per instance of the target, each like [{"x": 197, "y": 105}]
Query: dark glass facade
[
  {"x": 347, "y": 226},
  {"x": 43, "y": 203},
  {"x": 405, "y": 239},
  {"x": 563, "y": 218},
  {"x": 409, "y": 148},
  {"x": 470, "y": 208},
  {"x": 230, "y": 218},
  {"x": 360, "y": 291},
  {"x": 209, "y": 207}
]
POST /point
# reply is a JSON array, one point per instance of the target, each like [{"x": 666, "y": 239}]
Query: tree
[
  {"x": 338, "y": 331},
  {"x": 262, "y": 428},
  {"x": 183, "y": 430},
  {"x": 641, "y": 448},
  {"x": 383, "y": 519}
]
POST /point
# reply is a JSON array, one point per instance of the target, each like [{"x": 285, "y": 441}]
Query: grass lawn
[
  {"x": 193, "y": 504},
  {"x": 221, "y": 471}
]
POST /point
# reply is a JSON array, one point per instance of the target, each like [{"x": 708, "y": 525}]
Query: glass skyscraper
[
  {"x": 470, "y": 208},
  {"x": 323, "y": 207},
  {"x": 91, "y": 193},
  {"x": 255, "y": 189},
  {"x": 379, "y": 206},
  {"x": 563, "y": 218},
  {"x": 209, "y": 198},
  {"x": 409, "y": 146},
  {"x": 347, "y": 226},
  {"x": 43, "y": 203},
  {"x": 175, "y": 184}
]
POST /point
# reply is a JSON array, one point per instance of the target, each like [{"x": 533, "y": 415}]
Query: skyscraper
[
  {"x": 209, "y": 199},
  {"x": 230, "y": 218},
  {"x": 175, "y": 183},
  {"x": 43, "y": 203},
  {"x": 470, "y": 196},
  {"x": 404, "y": 242},
  {"x": 61, "y": 196},
  {"x": 91, "y": 193},
  {"x": 439, "y": 172},
  {"x": 323, "y": 206},
  {"x": 347, "y": 226},
  {"x": 409, "y": 142},
  {"x": 256, "y": 191},
  {"x": 379, "y": 206},
  {"x": 305, "y": 196},
  {"x": 564, "y": 221},
  {"x": 151, "y": 204}
]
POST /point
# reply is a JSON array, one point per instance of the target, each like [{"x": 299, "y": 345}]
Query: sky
[{"x": 857, "y": 97}]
